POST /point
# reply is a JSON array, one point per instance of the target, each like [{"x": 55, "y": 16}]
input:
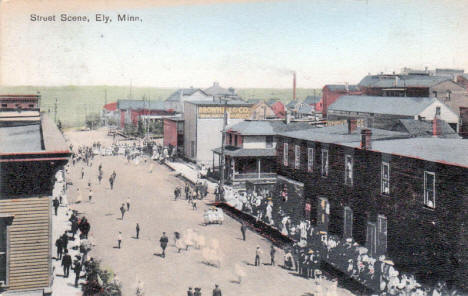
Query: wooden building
[
  {"x": 405, "y": 198},
  {"x": 31, "y": 152}
]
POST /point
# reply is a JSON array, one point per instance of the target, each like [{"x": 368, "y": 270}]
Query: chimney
[
  {"x": 352, "y": 125},
  {"x": 436, "y": 128},
  {"x": 366, "y": 135},
  {"x": 294, "y": 86}
]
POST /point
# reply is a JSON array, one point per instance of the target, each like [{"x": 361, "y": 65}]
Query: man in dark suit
[
  {"x": 66, "y": 263},
  {"x": 77, "y": 269},
  {"x": 56, "y": 204},
  {"x": 137, "y": 230},
  {"x": 217, "y": 291},
  {"x": 59, "y": 245},
  {"x": 163, "y": 240},
  {"x": 243, "y": 229}
]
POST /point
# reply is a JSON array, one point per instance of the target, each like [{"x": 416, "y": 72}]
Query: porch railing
[{"x": 250, "y": 176}]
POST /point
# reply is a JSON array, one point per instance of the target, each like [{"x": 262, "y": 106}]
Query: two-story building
[
  {"x": 31, "y": 152},
  {"x": 400, "y": 197},
  {"x": 250, "y": 149}
]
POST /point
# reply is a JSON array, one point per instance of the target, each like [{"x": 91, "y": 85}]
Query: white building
[{"x": 203, "y": 126}]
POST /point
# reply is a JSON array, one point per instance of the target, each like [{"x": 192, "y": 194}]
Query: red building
[
  {"x": 131, "y": 110},
  {"x": 331, "y": 92},
  {"x": 174, "y": 133},
  {"x": 278, "y": 107}
]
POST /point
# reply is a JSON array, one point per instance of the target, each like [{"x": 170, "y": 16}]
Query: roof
[
  {"x": 25, "y": 138},
  {"x": 177, "y": 95},
  {"x": 140, "y": 104},
  {"x": 292, "y": 104},
  {"x": 254, "y": 101},
  {"x": 218, "y": 103},
  {"x": 451, "y": 151},
  {"x": 111, "y": 106},
  {"x": 305, "y": 109},
  {"x": 342, "y": 87},
  {"x": 409, "y": 106},
  {"x": 339, "y": 135},
  {"x": 312, "y": 99},
  {"x": 266, "y": 127},
  {"x": 241, "y": 152},
  {"x": 216, "y": 90},
  {"x": 272, "y": 101},
  {"x": 424, "y": 128},
  {"x": 389, "y": 81}
]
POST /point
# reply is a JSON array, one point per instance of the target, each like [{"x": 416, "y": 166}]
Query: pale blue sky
[{"x": 238, "y": 44}]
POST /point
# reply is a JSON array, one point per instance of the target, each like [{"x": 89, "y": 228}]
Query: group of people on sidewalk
[{"x": 197, "y": 291}]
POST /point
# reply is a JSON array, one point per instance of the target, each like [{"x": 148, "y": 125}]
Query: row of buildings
[{"x": 32, "y": 150}]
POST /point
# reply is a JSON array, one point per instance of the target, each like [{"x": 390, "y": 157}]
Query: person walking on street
[
  {"x": 65, "y": 240},
  {"x": 56, "y": 205},
  {"x": 163, "y": 241},
  {"x": 111, "y": 182},
  {"x": 66, "y": 263},
  {"x": 128, "y": 204},
  {"x": 272, "y": 255},
  {"x": 197, "y": 292},
  {"x": 187, "y": 191},
  {"x": 190, "y": 292},
  {"x": 122, "y": 210},
  {"x": 194, "y": 205},
  {"x": 59, "y": 245},
  {"x": 90, "y": 195},
  {"x": 217, "y": 291},
  {"x": 82, "y": 173},
  {"x": 137, "y": 230},
  {"x": 119, "y": 239},
  {"x": 258, "y": 252},
  {"x": 77, "y": 270},
  {"x": 243, "y": 229}
]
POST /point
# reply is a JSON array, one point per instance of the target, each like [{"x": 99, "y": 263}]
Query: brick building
[{"x": 331, "y": 92}]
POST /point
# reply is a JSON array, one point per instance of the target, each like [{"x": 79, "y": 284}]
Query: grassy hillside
[{"x": 74, "y": 102}]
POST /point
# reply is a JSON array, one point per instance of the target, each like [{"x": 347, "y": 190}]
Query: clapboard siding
[{"x": 29, "y": 244}]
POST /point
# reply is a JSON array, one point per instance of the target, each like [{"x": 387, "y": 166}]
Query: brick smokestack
[
  {"x": 352, "y": 125},
  {"x": 294, "y": 86},
  {"x": 366, "y": 141}
]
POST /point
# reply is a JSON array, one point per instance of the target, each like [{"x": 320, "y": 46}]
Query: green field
[{"x": 75, "y": 102}]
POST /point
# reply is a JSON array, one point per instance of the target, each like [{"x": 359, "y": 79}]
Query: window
[
  {"x": 310, "y": 159},
  {"x": 438, "y": 110},
  {"x": 235, "y": 140},
  {"x": 348, "y": 223},
  {"x": 230, "y": 139},
  {"x": 285, "y": 154},
  {"x": 297, "y": 156},
  {"x": 348, "y": 170},
  {"x": 429, "y": 189},
  {"x": 371, "y": 238},
  {"x": 4, "y": 105},
  {"x": 324, "y": 163},
  {"x": 382, "y": 233},
  {"x": 31, "y": 105},
  {"x": 385, "y": 178},
  {"x": 269, "y": 141}
]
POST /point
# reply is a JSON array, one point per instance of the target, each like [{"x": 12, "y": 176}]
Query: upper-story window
[
  {"x": 269, "y": 141},
  {"x": 324, "y": 162},
  {"x": 348, "y": 170},
  {"x": 285, "y": 154},
  {"x": 310, "y": 159},
  {"x": 297, "y": 156},
  {"x": 429, "y": 190},
  {"x": 385, "y": 178},
  {"x": 235, "y": 140}
]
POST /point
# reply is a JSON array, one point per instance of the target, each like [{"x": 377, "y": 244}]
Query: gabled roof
[
  {"x": 272, "y": 101},
  {"x": 305, "y": 109},
  {"x": 401, "y": 80},
  {"x": 140, "y": 104},
  {"x": 312, "y": 100},
  {"x": 178, "y": 94},
  {"x": 342, "y": 87},
  {"x": 421, "y": 128},
  {"x": 111, "y": 106},
  {"x": 266, "y": 127},
  {"x": 216, "y": 90},
  {"x": 292, "y": 104},
  {"x": 409, "y": 106}
]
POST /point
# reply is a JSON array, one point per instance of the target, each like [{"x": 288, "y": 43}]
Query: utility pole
[
  {"x": 223, "y": 139},
  {"x": 55, "y": 111}
]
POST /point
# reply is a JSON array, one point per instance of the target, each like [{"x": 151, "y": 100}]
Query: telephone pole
[
  {"x": 223, "y": 139},
  {"x": 55, "y": 111}
]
